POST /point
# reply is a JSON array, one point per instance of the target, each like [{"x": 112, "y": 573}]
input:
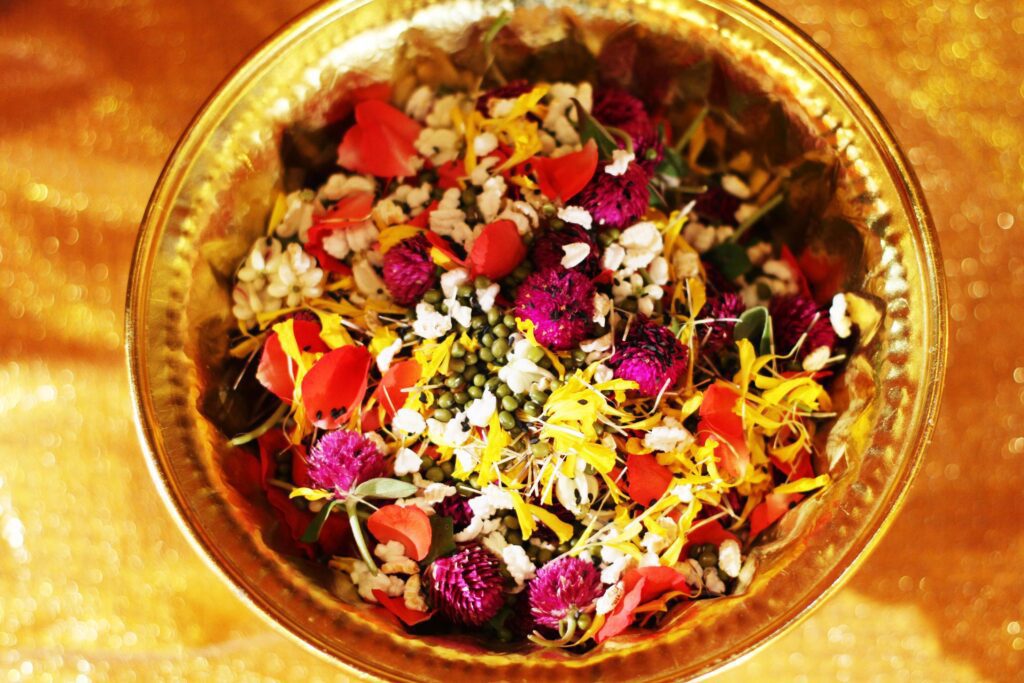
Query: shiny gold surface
[{"x": 98, "y": 583}]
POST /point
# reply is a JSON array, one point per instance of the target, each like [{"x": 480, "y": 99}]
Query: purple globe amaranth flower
[
  {"x": 567, "y": 586},
  {"x": 409, "y": 271},
  {"x": 457, "y": 507},
  {"x": 616, "y": 201},
  {"x": 651, "y": 356},
  {"x": 617, "y": 108},
  {"x": 792, "y": 316},
  {"x": 343, "y": 459},
  {"x": 560, "y": 303},
  {"x": 717, "y": 205},
  {"x": 466, "y": 586},
  {"x": 725, "y": 309},
  {"x": 547, "y": 250}
]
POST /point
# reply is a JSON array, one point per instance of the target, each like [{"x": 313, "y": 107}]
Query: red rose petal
[
  {"x": 621, "y": 616},
  {"x": 645, "y": 480},
  {"x": 562, "y": 178},
  {"x": 450, "y": 173},
  {"x": 400, "y": 376},
  {"x": 294, "y": 519},
  {"x": 396, "y": 606},
  {"x": 769, "y": 511},
  {"x": 497, "y": 251},
  {"x": 381, "y": 141},
  {"x": 794, "y": 267},
  {"x": 335, "y": 384},
  {"x": 410, "y": 526},
  {"x": 444, "y": 246},
  {"x": 708, "y": 532},
  {"x": 352, "y": 211},
  {"x": 719, "y": 420},
  {"x": 656, "y": 581},
  {"x": 276, "y": 371},
  {"x": 422, "y": 219}
]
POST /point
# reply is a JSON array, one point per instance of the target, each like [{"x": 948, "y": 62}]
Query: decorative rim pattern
[{"x": 179, "y": 444}]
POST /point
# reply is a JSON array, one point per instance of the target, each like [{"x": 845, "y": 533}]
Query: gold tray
[{"x": 213, "y": 197}]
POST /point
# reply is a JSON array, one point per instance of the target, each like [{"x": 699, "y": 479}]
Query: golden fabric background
[{"x": 96, "y": 582}]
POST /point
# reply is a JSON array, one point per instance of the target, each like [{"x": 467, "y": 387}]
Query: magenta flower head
[
  {"x": 793, "y": 316},
  {"x": 616, "y": 201},
  {"x": 650, "y": 355},
  {"x": 560, "y": 303},
  {"x": 717, "y": 206},
  {"x": 565, "y": 587},
  {"x": 457, "y": 507},
  {"x": 409, "y": 271},
  {"x": 466, "y": 586},
  {"x": 725, "y": 309},
  {"x": 619, "y": 109},
  {"x": 547, "y": 250},
  {"x": 341, "y": 460}
]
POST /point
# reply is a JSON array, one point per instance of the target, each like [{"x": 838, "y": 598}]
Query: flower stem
[
  {"x": 357, "y": 532},
  {"x": 263, "y": 428}
]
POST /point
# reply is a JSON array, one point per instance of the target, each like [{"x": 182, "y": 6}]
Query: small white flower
[
  {"x": 452, "y": 280},
  {"x": 759, "y": 253},
  {"x": 440, "y": 115},
  {"x": 480, "y": 410},
  {"x": 368, "y": 282},
  {"x": 713, "y": 582},
  {"x": 602, "y": 308},
  {"x": 613, "y": 256},
  {"x": 387, "y": 355},
  {"x": 298, "y": 215},
  {"x": 658, "y": 270},
  {"x": 486, "y": 296},
  {"x": 457, "y": 430},
  {"x": 597, "y": 345},
  {"x": 351, "y": 239},
  {"x": 449, "y": 220},
  {"x": 482, "y": 172},
  {"x": 518, "y": 563},
  {"x": 489, "y": 201},
  {"x": 460, "y": 313},
  {"x": 699, "y": 236},
  {"x": 418, "y": 197},
  {"x": 438, "y": 145},
  {"x": 620, "y": 162},
  {"x": 575, "y": 254},
  {"x": 341, "y": 185},
  {"x": 839, "y": 316},
  {"x": 392, "y": 551},
  {"x": 520, "y": 373},
  {"x": 734, "y": 186},
  {"x": 429, "y": 323},
  {"x": 642, "y": 243},
  {"x": 744, "y": 212},
  {"x": 668, "y": 437},
  {"x": 576, "y": 215},
  {"x": 484, "y": 144},
  {"x": 817, "y": 359},
  {"x": 685, "y": 264},
  {"x": 407, "y": 462},
  {"x": 684, "y": 492},
  {"x": 607, "y": 602},
  {"x": 297, "y": 277},
  {"x": 603, "y": 373},
  {"x": 420, "y": 102},
  {"x": 387, "y": 212},
  {"x": 409, "y": 421},
  {"x": 729, "y": 560},
  {"x": 522, "y": 214}
]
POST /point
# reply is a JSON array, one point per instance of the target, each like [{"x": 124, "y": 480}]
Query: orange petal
[
  {"x": 774, "y": 506},
  {"x": 410, "y": 526},
  {"x": 656, "y": 581},
  {"x": 335, "y": 384},
  {"x": 400, "y": 376},
  {"x": 396, "y": 606},
  {"x": 621, "y": 616},
  {"x": 645, "y": 480}
]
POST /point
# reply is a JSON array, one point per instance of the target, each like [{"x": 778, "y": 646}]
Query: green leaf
[
  {"x": 590, "y": 129},
  {"x": 442, "y": 539},
  {"x": 731, "y": 259},
  {"x": 383, "y": 487},
  {"x": 755, "y": 325},
  {"x": 312, "y": 532}
]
